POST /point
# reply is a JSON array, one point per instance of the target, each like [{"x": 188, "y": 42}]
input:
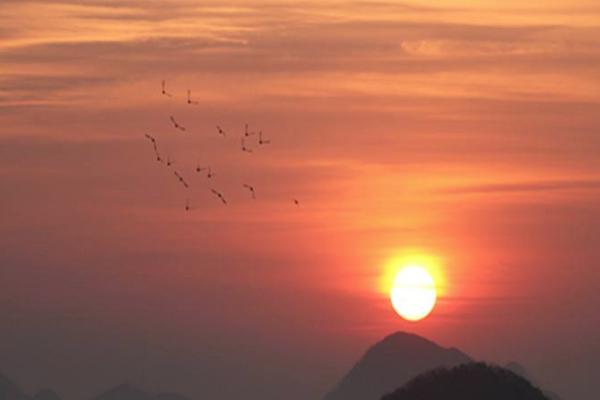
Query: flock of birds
[{"x": 245, "y": 136}]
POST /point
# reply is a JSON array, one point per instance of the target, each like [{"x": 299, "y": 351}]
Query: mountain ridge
[
  {"x": 390, "y": 363},
  {"x": 470, "y": 381}
]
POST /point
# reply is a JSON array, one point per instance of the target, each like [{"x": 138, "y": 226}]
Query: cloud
[{"x": 542, "y": 186}]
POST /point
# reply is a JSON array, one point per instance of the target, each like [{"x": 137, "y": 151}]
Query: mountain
[
  {"x": 472, "y": 381},
  {"x": 10, "y": 390},
  {"x": 391, "y": 363}
]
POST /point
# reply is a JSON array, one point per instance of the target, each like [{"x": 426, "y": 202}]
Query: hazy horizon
[{"x": 461, "y": 131}]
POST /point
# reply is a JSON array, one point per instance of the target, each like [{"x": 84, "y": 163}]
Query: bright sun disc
[{"x": 413, "y": 294}]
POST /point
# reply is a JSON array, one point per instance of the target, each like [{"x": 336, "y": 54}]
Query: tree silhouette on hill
[{"x": 472, "y": 381}]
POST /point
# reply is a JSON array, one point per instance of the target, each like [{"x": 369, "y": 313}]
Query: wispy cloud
[{"x": 544, "y": 186}]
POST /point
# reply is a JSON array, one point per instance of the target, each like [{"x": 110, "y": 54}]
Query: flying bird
[
  {"x": 188, "y": 207},
  {"x": 221, "y": 131},
  {"x": 209, "y": 172},
  {"x": 219, "y": 195},
  {"x": 251, "y": 189},
  {"x": 164, "y": 90},
  {"x": 296, "y": 202},
  {"x": 153, "y": 141},
  {"x": 262, "y": 141},
  {"x": 247, "y": 133},
  {"x": 176, "y": 125},
  {"x": 244, "y": 148},
  {"x": 183, "y": 182},
  {"x": 189, "y": 98}
]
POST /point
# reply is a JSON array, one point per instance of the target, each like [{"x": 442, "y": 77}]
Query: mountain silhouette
[
  {"x": 472, "y": 381},
  {"x": 392, "y": 362},
  {"x": 10, "y": 390}
]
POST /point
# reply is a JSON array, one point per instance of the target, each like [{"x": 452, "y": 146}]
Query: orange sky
[{"x": 463, "y": 130}]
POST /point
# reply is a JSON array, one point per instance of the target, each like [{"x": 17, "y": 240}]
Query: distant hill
[
  {"x": 10, "y": 390},
  {"x": 472, "y": 381},
  {"x": 391, "y": 363}
]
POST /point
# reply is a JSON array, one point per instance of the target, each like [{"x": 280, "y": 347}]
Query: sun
[{"x": 413, "y": 293}]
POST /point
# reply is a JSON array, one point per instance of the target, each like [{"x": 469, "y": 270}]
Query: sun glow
[
  {"x": 413, "y": 294},
  {"x": 414, "y": 282}
]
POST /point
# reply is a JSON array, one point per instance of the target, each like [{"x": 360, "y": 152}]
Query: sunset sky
[{"x": 466, "y": 133}]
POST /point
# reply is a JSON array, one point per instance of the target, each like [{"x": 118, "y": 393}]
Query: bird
[
  {"x": 221, "y": 131},
  {"x": 189, "y": 98},
  {"x": 153, "y": 141},
  {"x": 244, "y": 148},
  {"x": 246, "y": 133},
  {"x": 296, "y": 202},
  {"x": 262, "y": 141},
  {"x": 189, "y": 206},
  {"x": 209, "y": 172},
  {"x": 183, "y": 182},
  {"x": 164, "y": 91},
  {"x": 219, "y": 195},
  {"x": 176, "y": 125},
  {"x": 251, "y": 189}
]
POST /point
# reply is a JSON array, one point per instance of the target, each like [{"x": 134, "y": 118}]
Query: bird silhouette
[
  {"x": 176, "y": 125},
  {"x": 219, "y": 195},
  {"x": 262, "y": 141},
  {"x": 189, "y": 206},
  {"x": 183, "y": 182},
  {"x": 247, "y": 133},
  {"x": 164, "y": 90},
  {"x": 244, "y": 148},
  {"x": 296, "y": 202},
  {"x": 209, "y": 171},
  {"x": 251, "y": 189},
  {"x": 155, "y": 147},
  {"x": 189, "y": 98}
]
